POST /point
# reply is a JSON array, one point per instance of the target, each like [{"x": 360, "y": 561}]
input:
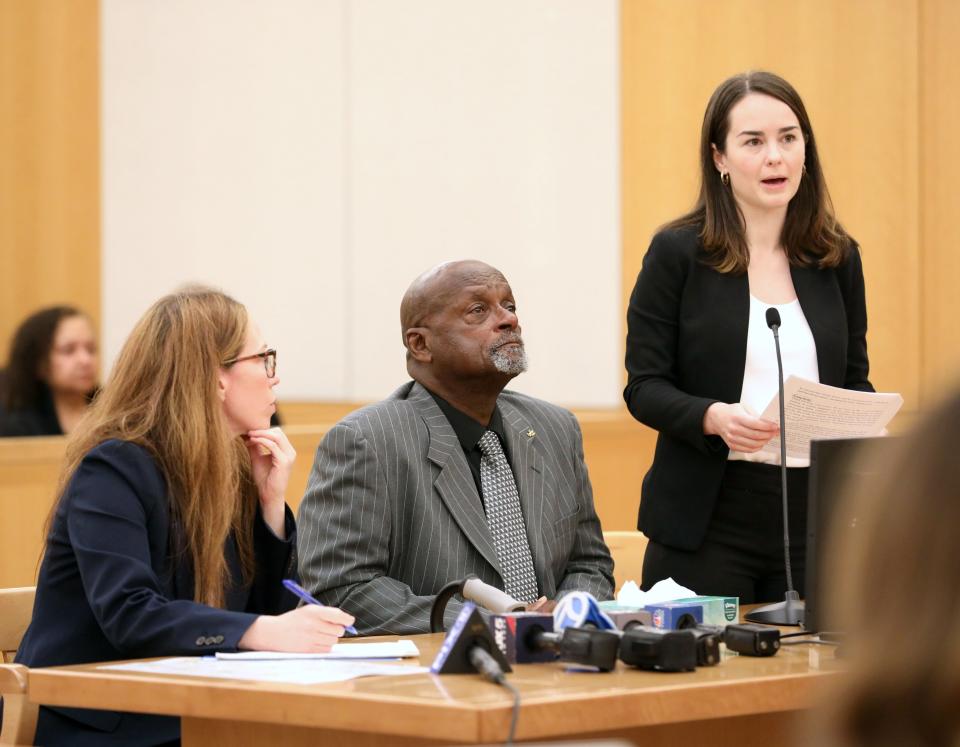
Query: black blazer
[
  {"x": 39, "y": 420},
  {"x": 109, "y": 589},
  {"x": 686, "y": 349}
]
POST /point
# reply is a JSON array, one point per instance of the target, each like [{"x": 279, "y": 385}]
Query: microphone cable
[
  {"x": 516, "y": 710},
  {"x": 488, "y": 667},
  {"x": 822, "y": 639}
]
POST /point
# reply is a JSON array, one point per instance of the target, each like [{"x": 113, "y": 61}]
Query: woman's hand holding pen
[
  {"x": 309, "y": 629},
  {"x": 271, "y": 458},
  {"x": 739, "y": 430}
]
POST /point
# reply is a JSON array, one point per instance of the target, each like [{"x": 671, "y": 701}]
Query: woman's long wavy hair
[
  {"x": 23, "y": 387},
  {"x": 811, "y": 234},
  {"x": 163, "y": 395}
]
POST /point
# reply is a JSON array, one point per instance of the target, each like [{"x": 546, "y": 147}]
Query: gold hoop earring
[{"x": 725, "y": 178}]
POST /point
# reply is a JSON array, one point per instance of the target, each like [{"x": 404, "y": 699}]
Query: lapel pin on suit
[{"x": 531, "y": 433}]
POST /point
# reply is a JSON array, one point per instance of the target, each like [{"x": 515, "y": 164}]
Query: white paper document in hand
[{"x": 815, "y": 411}]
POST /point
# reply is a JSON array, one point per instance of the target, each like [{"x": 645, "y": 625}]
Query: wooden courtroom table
[{"x": 743, "y": 701}]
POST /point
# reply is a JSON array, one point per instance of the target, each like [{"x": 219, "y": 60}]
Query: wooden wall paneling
[
  {"x": 627, "y": 549},
  {"x": 856, "y": 65},
  {"x": 940, "y": 164},
  {"x": 618, "y": 452},
  {"x": 29, "y": 470},
  {"x": 50, "y": 151},
  {"x": 304, "y": 439}
]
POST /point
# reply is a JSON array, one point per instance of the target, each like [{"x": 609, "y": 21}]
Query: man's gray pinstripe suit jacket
[{"x": 392, "y": 514}]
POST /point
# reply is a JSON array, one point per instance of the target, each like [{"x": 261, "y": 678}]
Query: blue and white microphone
[{"x": 578, "y": 609}]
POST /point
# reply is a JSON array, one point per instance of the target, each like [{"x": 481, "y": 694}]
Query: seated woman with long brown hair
[{"x": 171, "y": 535}]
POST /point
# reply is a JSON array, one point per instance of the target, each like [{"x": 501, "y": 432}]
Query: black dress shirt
[
  {"x": 38, "y": 419},
  {"x": 469, "y": 432}
]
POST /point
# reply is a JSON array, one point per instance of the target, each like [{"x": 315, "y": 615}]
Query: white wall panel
[
  {"x": 223, "y": 163},
  {"x": 489, "y": 130},
  {"x": 313, "y": 157}
]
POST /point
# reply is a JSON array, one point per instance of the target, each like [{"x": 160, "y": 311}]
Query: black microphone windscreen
[{"x": 773, "y": 318}]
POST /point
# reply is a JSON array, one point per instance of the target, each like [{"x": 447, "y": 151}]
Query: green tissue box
[{"x": 718, "y": 610}]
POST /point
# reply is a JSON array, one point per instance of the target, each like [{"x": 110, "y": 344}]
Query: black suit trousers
[{"x": 742, "y": 554}]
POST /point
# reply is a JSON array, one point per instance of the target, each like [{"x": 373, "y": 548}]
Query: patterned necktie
[{"x": 501, "y": 501}]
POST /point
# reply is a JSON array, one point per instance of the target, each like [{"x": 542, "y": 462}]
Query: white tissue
[{"x": 662, "y": 591}]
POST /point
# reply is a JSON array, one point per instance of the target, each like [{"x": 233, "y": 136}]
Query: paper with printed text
[{"x": 815, "y": 411}]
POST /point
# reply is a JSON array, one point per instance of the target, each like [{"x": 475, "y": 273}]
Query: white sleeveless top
[{"x": 799, "y": 353}]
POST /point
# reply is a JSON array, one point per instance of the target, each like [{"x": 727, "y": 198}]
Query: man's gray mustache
[{"x": 506, "y": 341}]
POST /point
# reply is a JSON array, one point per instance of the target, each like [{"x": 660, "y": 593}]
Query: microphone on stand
[
  {"x": 790, "y": 611},
  {"x": 470, "y": 647}
]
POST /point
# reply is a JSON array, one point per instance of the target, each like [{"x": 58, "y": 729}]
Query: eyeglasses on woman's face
[{"x": 269, "y": 358}]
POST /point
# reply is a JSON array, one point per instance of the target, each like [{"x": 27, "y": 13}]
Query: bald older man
[{"x": 451, "y": 475}]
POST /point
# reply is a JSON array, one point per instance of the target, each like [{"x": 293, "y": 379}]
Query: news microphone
[
  {"x": 529, "y": 637},
  {"x": 587, "y": 646},
  {"x": 580, "y": 609},
  {"x": 458, "y": 653},
  {"x": 662, "y": 651},
  {"x": 746, "y": 639},
  {"x": 472, "y": 589},
  {"x": 624, "y": 619},
  {"x": 708, "y": 646},
  {"x": 486, "y": 665},
  {"x": 773, "y": 319},
  {"x": 515, "y": 634},
  {"x": 470, "y": 647},
  {"x": 490, "y": 597},
  {"x": 676, "y": 615},
  {"x": 789, "y": 611},
  {"x": 706, "y": 636}
]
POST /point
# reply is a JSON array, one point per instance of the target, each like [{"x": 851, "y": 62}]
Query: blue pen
[{"x": 307, "y": 597}]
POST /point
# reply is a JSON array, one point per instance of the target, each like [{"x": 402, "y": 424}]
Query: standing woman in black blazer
[
  {"x": 171, "y": 535},
  {"x": 701, "y": 360}
]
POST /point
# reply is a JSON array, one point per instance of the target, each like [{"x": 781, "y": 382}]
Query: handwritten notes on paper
[{"x": 816, "y": 411}]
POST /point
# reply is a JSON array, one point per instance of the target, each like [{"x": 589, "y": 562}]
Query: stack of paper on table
[
  {"x": 375, "y": 650},
  {"x": 343, "y": 663}
]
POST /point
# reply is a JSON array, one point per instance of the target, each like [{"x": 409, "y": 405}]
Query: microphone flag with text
[
  {"x": 529, "y": 637},
  {"x": 470, "y": 647},
  {"x": 578, "y": 609}
]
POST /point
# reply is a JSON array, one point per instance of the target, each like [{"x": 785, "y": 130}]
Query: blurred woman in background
[
  {"x": 51, "y": 374},
  {"x": 896, "y": 596}
]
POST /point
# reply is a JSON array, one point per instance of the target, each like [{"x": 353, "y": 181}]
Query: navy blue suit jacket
[
  {"x": 687, "y": 348},
  {"x": 109, "y": 589}
]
